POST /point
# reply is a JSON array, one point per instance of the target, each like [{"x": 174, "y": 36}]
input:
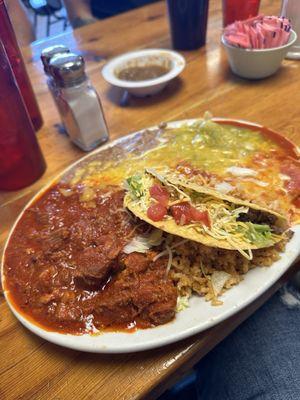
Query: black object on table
[{"x": 188, "y": 23}]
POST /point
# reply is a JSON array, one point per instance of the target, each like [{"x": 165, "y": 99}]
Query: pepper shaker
[
  {"x": 79, "y": 103},
  {"x": 46, "y": 56}
]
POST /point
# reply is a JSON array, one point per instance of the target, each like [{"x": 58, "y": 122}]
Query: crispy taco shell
[
  {"x": 169, "y": 225},
  {"x": 176, "y": 179}
]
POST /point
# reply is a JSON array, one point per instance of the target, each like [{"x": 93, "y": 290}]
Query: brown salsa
[
  {"x": 65, "y": 267},
  {"x": 143, "y": 73}
]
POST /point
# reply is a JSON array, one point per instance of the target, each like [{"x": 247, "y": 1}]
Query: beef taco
[{"x": 174, "y": 205}]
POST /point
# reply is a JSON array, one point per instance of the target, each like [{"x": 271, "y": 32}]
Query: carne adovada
[
  {"x": 78, "y": 261},
  {"x": 65, "y": 266}
]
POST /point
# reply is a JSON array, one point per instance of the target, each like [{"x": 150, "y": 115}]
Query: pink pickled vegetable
[{"x": 260, "y": 32}]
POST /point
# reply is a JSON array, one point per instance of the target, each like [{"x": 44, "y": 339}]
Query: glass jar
[{"x": 291, "y": 10}]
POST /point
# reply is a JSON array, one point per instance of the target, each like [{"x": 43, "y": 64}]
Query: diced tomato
[
  {"x": 200, "y": 216},
  {"x": 293, "y": 171},
  {"x": 160, "y": 194},
  {"x": 182, "y": 213},
  {"x": 156, "y": 212}
]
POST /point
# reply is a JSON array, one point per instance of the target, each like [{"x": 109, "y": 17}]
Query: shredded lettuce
[
  {"x": 141, "y": 244},
  {"x": 259, "y": 234},
  {"x": 218, "y": 280},
  {"x": 135, "y": 184},
  {"x": 182, "y": 303}
]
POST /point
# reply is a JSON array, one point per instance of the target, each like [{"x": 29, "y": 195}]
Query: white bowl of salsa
[{"x": 143, "y": 72}]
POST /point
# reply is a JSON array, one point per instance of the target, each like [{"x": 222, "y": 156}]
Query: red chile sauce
[{"x": 65, "y": 269}]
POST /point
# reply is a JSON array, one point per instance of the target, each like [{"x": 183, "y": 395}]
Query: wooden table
[{"x": 31, "y": 368}]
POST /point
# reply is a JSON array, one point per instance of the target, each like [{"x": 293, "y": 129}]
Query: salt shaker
[
  {"x": 46, "y": 56},
  {"x": 79, "y": 103}
]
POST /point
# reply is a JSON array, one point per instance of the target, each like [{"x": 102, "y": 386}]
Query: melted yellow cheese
[{"x": 208, "y": 147}]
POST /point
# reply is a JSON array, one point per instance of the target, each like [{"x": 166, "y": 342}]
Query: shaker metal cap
[
  {"x": 67, "y": 69},
  {"x": 50, "y": 52}
]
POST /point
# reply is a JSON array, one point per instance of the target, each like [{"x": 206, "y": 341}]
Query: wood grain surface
[{"x": 31, "y": 368}]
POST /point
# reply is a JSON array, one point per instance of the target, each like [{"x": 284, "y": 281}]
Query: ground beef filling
[{"x": 65, "y": 267}]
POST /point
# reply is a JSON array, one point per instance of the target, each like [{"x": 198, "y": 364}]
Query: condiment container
[
  {"x": 79, "y": 103},
  {"x": 257, "y": 63},
  {"x": 46, "y": 55},
  {"x": 14, "y": 55},
  {"x": 172, "y": 61}
]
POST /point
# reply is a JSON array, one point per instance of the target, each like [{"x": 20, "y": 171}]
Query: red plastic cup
[
  {"x": 21, "y": 160},
  {"x": 9, "y": 40},
  {"x": 238, "y": 10}
]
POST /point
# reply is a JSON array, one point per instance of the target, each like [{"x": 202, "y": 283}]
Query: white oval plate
[{"x": 198, "y": 317}]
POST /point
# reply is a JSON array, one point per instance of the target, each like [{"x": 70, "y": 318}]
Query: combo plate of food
[{"x": 156, "y": 236}]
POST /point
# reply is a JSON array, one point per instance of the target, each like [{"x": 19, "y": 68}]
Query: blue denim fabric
[
  {"x": 260, "y": 360},
  {"x": 105, "y": 8}
]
